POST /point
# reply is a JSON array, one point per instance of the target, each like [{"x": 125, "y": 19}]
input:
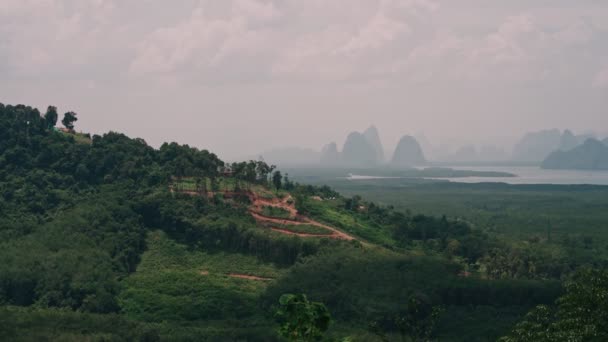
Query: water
[{"x": 534, "y": 175}]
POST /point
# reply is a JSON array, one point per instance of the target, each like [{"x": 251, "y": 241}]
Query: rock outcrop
[
  {"x": 408, "y": 153},
  {"x": 358, "y": 151},
  {"x": 591, "y": 155},
  {"x": 373, "y": 138}
]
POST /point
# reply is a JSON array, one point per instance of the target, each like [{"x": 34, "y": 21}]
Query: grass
[
  {"x": 306, "y": 229},
  {"x": 329, "y": 213},
  {"x": 175, "y": 283},
  {"x": 164, "y": 254},
  {"x": 276, "y": 212}
]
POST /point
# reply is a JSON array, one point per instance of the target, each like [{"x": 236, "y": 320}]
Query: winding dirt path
[
  {"x": 258, "y": 203},
  {"x": 335, "y": 233},
  {"x": 248, "y": 277},
  {"x": 289, "y": 232}
]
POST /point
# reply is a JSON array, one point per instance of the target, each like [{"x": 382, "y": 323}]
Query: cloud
[
  {"x": 54, "y": 38},
  {"x": 368, "y": 49},
  {"x": 202, "y": 42},
  {"x": 283, "y": 41},
  {"x": 236, "y": 41}
]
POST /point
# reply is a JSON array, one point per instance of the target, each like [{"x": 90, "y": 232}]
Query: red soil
[
  {"x": 289, "y": 232},
  {"x": 258, "y": 203},
  {"x": 247, "y": 276}
]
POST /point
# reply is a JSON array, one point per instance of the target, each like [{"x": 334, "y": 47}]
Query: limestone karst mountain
[
  {"x": 330, "y": 154},
  {"x": 568, "y": 141},
  {"x": 358, "y": 151},
  {"x": 591, "y": 155},
  {"x": 373, "y": 138},
  {"x": 536, "y": 146},
  {"x": 408, "y": 153}
]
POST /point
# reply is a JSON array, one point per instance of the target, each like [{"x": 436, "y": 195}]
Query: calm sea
[{"x": 535, "y": 175}]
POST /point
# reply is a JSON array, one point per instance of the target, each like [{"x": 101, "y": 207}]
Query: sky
[{"x": 239, "y": 77}]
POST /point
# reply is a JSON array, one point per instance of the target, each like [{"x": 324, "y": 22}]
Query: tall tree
[
  {"x": 581, "y": 314},
  {"x": 51, "y": 116},
  {"x": 68, "y": 120},
  {"x": 277, "y": 179},
  {"x": 302, "y": 320}
]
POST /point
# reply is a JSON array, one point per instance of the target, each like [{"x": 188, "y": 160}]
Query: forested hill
[{"x": 106, "y": 238}]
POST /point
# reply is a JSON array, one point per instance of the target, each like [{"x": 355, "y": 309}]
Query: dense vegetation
[{"x": 106, "y": 238}]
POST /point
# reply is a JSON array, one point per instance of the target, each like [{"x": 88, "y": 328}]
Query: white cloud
[
  {"x": 54, "y": 37},
  {"x": 291, "y": 40},
  {"x": 202, "y": 42},
  {"x": 288, "y": 40}
]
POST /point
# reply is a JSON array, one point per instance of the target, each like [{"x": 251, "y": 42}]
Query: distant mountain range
[
  {"x": 365, "y": 149},
  {"x": 536, "y": 146},
  {"x": 373, "y": 138},
  {"x": 591, "y": 155},
  {"x": 408, "y": 153}
]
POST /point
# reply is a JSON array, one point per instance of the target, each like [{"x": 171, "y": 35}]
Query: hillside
[
  {"x": 107, "y": 238},
  {"x": 591, "y": 155},
  {"x": 536, "y": 146},
  {"x": 373, "y": 138},
  {"x": 357, "y": 151},
  {"x": 408, "y": 153}
]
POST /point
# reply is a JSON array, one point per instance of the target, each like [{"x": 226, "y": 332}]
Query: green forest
[{"x": 105, "y": 238}]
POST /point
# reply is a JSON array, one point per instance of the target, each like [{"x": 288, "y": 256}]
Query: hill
[
  {"x": 373, "y": 138},
  {"x": 330, "y": 154},
  {"x": 408, "y": 153},
  {"x": 592, "y": 155},
  {"x": 536, "y": 146},
  {"x": 357, "y": 151},
  {"x": 108, "y": 238}
]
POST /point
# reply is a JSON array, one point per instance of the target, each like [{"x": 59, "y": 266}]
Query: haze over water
[{"x": 525, "y": 175}]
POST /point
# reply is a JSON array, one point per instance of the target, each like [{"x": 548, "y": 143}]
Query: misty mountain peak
[
  {"x": 408, "y": 152},
  {"x": 373, "y": 138},
  {"x": 591, "y": 155},
  {"x": 358, "y": 151},
  {"x": 330, "y": 154}
]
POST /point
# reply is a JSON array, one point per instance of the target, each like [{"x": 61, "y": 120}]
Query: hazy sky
[{"x": 242, "y": 76}]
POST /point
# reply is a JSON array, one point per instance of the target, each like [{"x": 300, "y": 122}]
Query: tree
[
  {"x": 581, "y": 313},
  {"x": 277, "y": 179},
  {"x": 68, "y": 120},
  {"x": 287, "y": 183},
  {"x": 302, "y": 320},
  {"x": 51, "y": 116},
  {"x": 416, "y": 323},
  {"x": 419, "y": 320}
]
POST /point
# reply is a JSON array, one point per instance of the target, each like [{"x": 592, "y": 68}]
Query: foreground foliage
[
  {"x": 106, "y": 238},
  {"x": 581, "y": 314}
]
